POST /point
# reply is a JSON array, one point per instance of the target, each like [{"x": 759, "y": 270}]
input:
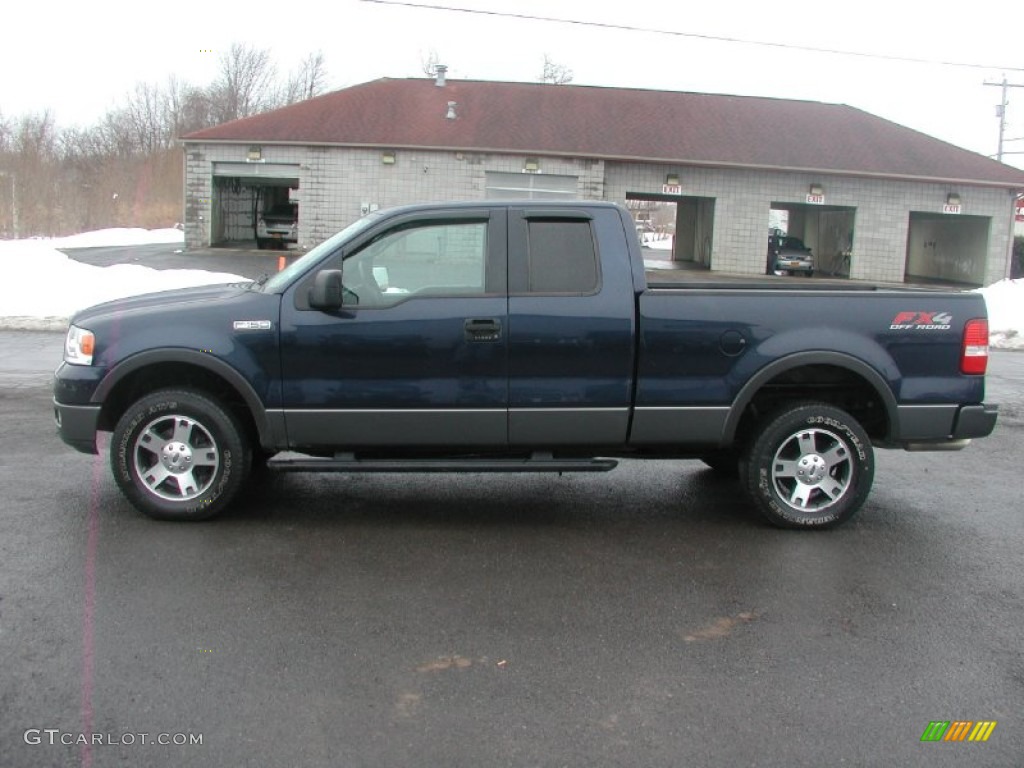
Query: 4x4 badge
[{"x": 922, "y": 321}]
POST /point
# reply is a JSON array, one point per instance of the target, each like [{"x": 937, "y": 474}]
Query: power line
[{"x": 673, "y": 33}]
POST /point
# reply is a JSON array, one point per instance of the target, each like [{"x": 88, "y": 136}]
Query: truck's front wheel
[
  {"x": 179, "y": 455},
  {"x": 809, "y": 466}
]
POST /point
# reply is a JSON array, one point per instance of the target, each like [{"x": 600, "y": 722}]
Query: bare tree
[
  {"x": 189, "y": 108},
  {"x": 34, "y": 167},
  {"x": 556, "y": 74},
  {"x": 126, "y": 169},
  {"x": 145, "y": 113},
  {"x": 6, "y": 134},
  {"x": 245, "y": 85},
  {"x": 308, "y": 81}
]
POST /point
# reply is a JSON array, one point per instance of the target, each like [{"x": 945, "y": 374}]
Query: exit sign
[
  {"x": 954, "y": 209},
  {"x": 672, "y": 189},
  {"x": 815, "y": 199}
]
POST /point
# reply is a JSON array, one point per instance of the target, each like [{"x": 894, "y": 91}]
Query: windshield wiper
[{"x": 258, "y": 282}]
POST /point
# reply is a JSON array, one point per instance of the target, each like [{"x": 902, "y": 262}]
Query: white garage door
[{"x": 530, "y": 186}]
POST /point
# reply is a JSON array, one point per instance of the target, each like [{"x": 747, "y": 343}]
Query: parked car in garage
[
  {"x": 278, "y": 224},
  {"x": 789, "y": 255}
]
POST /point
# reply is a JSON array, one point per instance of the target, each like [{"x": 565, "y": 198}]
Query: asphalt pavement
[
  {"x": 646, "y": 617},
  {"x": 247, "y": 262}
]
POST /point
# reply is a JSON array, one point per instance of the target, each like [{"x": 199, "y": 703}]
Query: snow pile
[
  {"x": 1005, "y": 301},
  {"x": 41, "y": 287},
  {"x": 657, "y": 241}
]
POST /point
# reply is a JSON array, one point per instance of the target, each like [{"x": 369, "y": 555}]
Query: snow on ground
[
  {"x": 1005, "y": 301},
  {"x": 41, "y": 287}
]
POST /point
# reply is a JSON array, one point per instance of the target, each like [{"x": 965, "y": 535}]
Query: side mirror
[{"x": 326, "y": 293}]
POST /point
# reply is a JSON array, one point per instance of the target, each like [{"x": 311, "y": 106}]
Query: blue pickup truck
[{"x": 524, "y": 337}]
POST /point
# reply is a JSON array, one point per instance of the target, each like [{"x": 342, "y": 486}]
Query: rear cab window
[{"x": 554, "y": 252}]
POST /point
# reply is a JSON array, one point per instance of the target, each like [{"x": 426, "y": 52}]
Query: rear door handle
[{"x": 482, "y": 329}]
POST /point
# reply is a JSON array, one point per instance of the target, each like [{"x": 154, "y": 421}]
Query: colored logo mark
[{"x": 958, "y": 730}]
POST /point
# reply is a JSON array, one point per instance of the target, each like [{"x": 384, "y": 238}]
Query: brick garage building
[{"x": 908, "y": 206}]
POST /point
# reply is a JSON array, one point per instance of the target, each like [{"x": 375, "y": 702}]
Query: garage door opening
[
  {"x": 530, "y": 186},
  {"x": 944, "y": 248},
  {"x": 675, "y": 230},
  {"x": 826, "y": 230},
  {"x": 244, "y": 195}
]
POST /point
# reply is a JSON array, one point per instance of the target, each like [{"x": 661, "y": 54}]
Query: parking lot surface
[{"x": 645, "y": 618}]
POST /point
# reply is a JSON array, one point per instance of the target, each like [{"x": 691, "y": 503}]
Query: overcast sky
[{"x": 80, "y": 59}]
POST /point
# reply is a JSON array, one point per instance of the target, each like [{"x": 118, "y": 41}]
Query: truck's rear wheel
[
  {"x": 809, "y": 466},
  {"x": 179, "y": 455}
]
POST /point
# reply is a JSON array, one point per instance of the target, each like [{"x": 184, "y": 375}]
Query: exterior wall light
[
  {"x": 532, "y": 165},
  {"x": 952, "y": 199},
  {"x": 255, "y": 155},
  {"x": 387, "y": 158},
  {"x": 817, "y": 190},
  {"x": 672, "y": 180}
]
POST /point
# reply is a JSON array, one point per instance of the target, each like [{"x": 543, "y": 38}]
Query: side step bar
[{"x": 347, "y": 462}]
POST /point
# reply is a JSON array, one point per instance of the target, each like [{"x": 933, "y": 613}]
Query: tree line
[{"x": 126, "y": 168}]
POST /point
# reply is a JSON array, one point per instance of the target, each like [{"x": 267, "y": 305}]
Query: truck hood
[{"x": 160, "y": 302}]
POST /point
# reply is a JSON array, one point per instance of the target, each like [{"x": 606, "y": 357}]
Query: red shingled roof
[{"x": 616, "y": 123}]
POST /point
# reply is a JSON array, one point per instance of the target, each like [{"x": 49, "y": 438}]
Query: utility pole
[{"x": 1001, "y": 112}]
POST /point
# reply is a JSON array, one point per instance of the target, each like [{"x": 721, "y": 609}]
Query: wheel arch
[
  {"x": 164, "y": 368},
  {"x": 829, "y": 377}
]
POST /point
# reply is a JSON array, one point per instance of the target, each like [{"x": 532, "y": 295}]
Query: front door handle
[{"x": 482, "y": 329}]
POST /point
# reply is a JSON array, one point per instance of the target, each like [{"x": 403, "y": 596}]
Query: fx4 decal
[{"x": 922, "y": 321}]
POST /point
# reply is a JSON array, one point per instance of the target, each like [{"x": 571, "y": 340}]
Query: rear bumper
[
  {"x": 76, "y": 425},
  {"x": 975, "y": 421},
  {"x": 944, "y": 427}
]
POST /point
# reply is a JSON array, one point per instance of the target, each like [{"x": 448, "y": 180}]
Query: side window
[
  {"x": 562, "y": 257},
  {"x": 434, "y": 259}
]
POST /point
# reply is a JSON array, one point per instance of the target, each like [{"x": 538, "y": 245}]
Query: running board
[{"x": 538, "y": 462}]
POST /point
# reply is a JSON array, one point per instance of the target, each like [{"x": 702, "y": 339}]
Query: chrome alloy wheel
[
  {"x": 812, "y": 470},
  {"x": 176, "y": 458}
]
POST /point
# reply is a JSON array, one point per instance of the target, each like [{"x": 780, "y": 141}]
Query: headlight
[{"x": 79, "y": 346}]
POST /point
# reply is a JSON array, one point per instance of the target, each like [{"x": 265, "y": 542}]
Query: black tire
[
  {"x": 809, "y": 466},
  {"x": 179, "y": 455},
  {"x": 725, "y": 462},
  {"x": 259, "y": 461}
]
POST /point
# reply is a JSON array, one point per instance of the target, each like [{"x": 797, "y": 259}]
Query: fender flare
[
  {"x": 191, "y": 357},
  {"x": 800, "y": 360}
]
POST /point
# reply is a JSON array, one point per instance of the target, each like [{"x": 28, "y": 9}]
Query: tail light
[{"x": 974, "y": 352}]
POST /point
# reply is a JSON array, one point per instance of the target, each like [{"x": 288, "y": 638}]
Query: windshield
[{"x": 282, "y": 279}]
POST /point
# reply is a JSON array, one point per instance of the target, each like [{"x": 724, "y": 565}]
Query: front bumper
[
  {"x": 76, "y": 425},
  {"x": 76, "y": 416}
]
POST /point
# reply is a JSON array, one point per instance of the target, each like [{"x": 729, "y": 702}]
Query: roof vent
[
  {"x": 441, "y": 71},
  {"x": 451, "y": 110}
]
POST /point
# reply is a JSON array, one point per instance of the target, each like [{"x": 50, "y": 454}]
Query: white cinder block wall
[{"x": 337, "y": 183}]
